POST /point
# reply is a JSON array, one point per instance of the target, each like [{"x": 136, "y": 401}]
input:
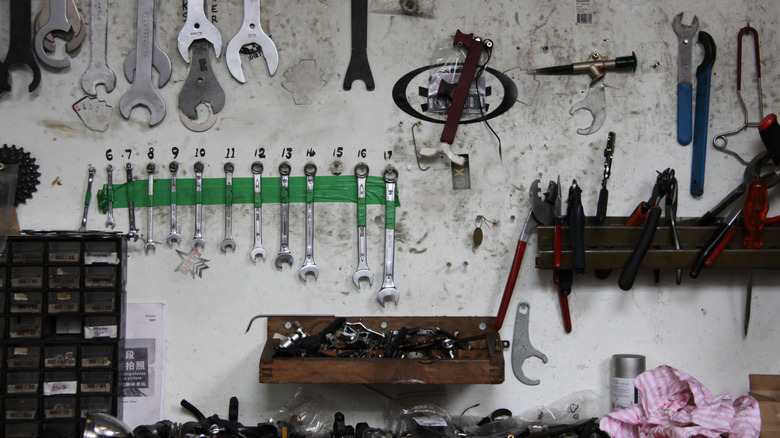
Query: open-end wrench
[
  {"x": 521, "y": 345},
  {"x": 133, "y": 233},
  {"x": 198, "y": 239},
  {"x": 160, "y": 60},
  {"x": 174, "y": 236},
  {"x": 228, "y": 241},
  {"x": 110, "y": 222},
  {"x": 201, "y": 85},
  {"x": 142, "y": 91},
  {"x": 98, "y": 72},
  {"x": 74, "y": 38},
  {"x": 358, "y": 68},
  {"x": 87, "y": 199},
  {"x": 309, "y": 267},
  {"x": 361, "y": 173},
  {"x": 258, "y": 250},
  {"x": 150, "y": 208},
  {"x": 685, "y": 34},
  {"x": 20, "y": 49},
  {"x": 197, "y": 27},
  {"x": 58, "y": 22},
  {"x": 251, "y": 33},
  {"x": 284, "y": 255},
  {"x": 388, "y": 286}
]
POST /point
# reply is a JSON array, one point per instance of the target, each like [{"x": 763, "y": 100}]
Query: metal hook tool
[{"x": 720, "y": 142}]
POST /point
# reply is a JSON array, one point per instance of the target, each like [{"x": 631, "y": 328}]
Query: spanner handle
[
  {"x": 628, "y": 275},
  {"x": 510, "y": 283},
  {"x": 700, "y": 131},
  {"x": 684, "y": 113}
]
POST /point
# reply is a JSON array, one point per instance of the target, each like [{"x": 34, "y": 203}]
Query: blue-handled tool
[
  {"x": 701, "y": 118},
  {"x": 685, "y": 36}
]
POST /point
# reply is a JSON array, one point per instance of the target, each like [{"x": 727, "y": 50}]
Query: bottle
[{"x": 625, "y": 367}]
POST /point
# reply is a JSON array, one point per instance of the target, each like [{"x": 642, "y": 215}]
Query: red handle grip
[
  {"x": 719, "y": 248},
  {"x": 510, "y": 283}
]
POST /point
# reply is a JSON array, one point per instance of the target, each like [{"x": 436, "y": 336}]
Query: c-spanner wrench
[
  {"x": 150, "y": 208},
  {"x": 309, "y": 267},
  {"x": 133, "y": 233},
  {"x": 363, "y": 272},
  {"x": 198, "y": 239},
  {"x": 596, "y": 103},
  {"x": 197, "y": 27},
  {"x": 251, "y": 33},
  {"x": 388, "y": 286},
  {"x": 110, "y": 222},
  {"x": 87, "y": 199},
  {"x": 521, "y": 345},
  {"x": 258, "y": 250},
  {"x": 58, "y": 22},
  {"x": 174, "y": 236},
  {"x": 228, "y": 241},
  {"x": 98, "y": 72},
  {"x": 284, "y": 255}
]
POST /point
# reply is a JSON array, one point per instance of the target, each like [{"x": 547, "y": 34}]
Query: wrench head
[
  {"x": 247, "y": 36},
  {"x": 257, "y": 252},
  {"x": 173, "y": 238},
  {"x": 362, "y": 274},
  {"x": 387, "y": 292},
  {"x": 198, "y": 28},
  {"x": 95, "y": 76},
  {"x": 595, "y": 103},
  {"x": 198, "y": 242},
  {"x": 227, "y": 243},
  {"x": 143, "y": 95},
  {"x": 683, "y": 30},
  {"x": 132, "y": 235},
  {"x": 149, "y": 246},
  {"x": 283, "y": 257},
  {"x": 52, "y": 26},
  {"x": 111, "y": 223},
  {"x": 309, "y": 269}
]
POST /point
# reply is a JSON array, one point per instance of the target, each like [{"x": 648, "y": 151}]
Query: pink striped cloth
[{"x": 674, "y": 404}]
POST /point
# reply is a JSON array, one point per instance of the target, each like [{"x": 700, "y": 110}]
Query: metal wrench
[
  {"x": 284, "y": 255},
  {"x": 150, "y": 208},
  {"x": 198, "y": 239},
  {"x": 521, "y": 345},
  {"x": 596, "y": 103},
  {"x": 685, "y": 36},
  {"x": 201, "y": 85},
  {"x": 78, "y": 29},
  {"x": 110, "y": 222},
  {"x": 142, "y": 91},
  {"x": 197, "y": 27},
  {"x": 133, "y": 233},
  {"x": 87, "y": 199},
  {"x": 251, "y": 33},
  {"x": 363, "y": 272},
  {"x": 174, "y": 236},
  {"x": 160, "y": 60},
  {"x": 20, "y": 50},
  {"x": 98, "y": 72},
  {"x": 309, "y": 267},
  {"x": 258, "y": 250},
  {"x": 228, "y": 241},
  {"x": 388, "y": 286},
  {"x": 58, "y": 22},
  {"x": 358, "y": 68}
]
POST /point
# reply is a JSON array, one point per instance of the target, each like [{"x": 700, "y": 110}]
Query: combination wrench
[
  {"x": 251, "y": 33},
  {"x": 197, "y": 27},
  {"x": 198, "y": 239},
  {"x": 363, "y": 272},
  {"x": 228, "y": 241},
  {"x": 174, "y": 236},
  {"x": 309, "y": 267},
  {"x": 284, "y": 255},
  {"x": 150, "y": 168},
  {"x": 258, "y": 250},
  {"x": 110, "y": 222},
  {"x": 388, "y": 286},
  {"x": 133, "y": 233},
  {"x": 98, "y": 72},
  {"x": 87, "y": 199}
]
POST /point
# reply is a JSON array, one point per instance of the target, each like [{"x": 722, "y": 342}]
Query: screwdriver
[{"x": 754, "y": 212}]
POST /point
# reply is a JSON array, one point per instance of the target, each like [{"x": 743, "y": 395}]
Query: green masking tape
[
  {"x": 390, "y": 216},
  {"x": 361, "y": 212}
]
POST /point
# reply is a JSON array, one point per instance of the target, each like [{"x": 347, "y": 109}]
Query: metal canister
[{"x": 625, "y": 367}]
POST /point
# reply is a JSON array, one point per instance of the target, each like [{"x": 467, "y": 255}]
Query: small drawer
[
  {"x": 22, "y": 383},
  {"x": 24, "y": 327},
  {"x": 63, "y": 429},
  {"x": 59, "y": 356},
  {"x": 101, "y": 253},
  {"x": 21, "y": 409},
  {"x": 2, "y": 278},
  {"x": 60, "y": 383},
  {"x": 27, "y": 277},
  {"x": 63, "y": 302},
  {"x": 27, "y": 252},
  {"x": 59, "y": 407},
  {"x": 19, "y": 357},
  {"x": 97, "y": 356},
  {"x": 95, "y": 404},
  {"x": 2, "y": 304},
  {"x": 26, "y": 302},
  {"x": 99, "y": 302},
  {"x": 100, "y": 276},
  {"x": 101, "y": 327},
  {"x": 20, "y": 430},
  {"x": 64, "y": 252},
  {"x": 64, "y": 277},
  {"x": 96, "y": 382},
  {"x": 66, "y": 324}
]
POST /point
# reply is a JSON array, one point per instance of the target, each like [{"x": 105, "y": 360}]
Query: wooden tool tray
[{"x": 484, "y": 364}]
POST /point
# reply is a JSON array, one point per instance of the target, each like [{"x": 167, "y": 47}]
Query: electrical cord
[{"x": 489, "y": 49}]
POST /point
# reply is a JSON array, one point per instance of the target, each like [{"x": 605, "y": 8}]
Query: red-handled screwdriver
[{"x": 754, "y": 212}]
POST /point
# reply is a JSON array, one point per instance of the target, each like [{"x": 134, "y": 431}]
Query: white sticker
[
  {"x": 584, "y": 11},
  {"x": 100, "y": 331},
  {"x": 431, "y": 421},
  {"x": 97, "y": 257},
  {"x": 59, "y": 388}
]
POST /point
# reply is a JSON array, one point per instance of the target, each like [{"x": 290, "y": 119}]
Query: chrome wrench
[
  {"x": 87, "y": 199},
  {"x": 133, "y": 233},
  {"x": 198, "y": 239},
  {"x": 363, "y": 272},
  {"x": 388, "y": 286},
  {"x": 228, "y": 241},
  {"x": 174, "y": 236},
  {"x": 160, "y": 61},
  {"x": 251, "y": 33},
  {"x": 98, "y": 72},
  {"x": 150, "y": 208},
  {"x": 521, "y": 345},
  {"x": 258, "y": 250},
  {"x": 284, "y": 255},
  {"x": 110, "y": 222},
  {"x": 309, "y": 267},
  {"x": 197, "y": 27}
]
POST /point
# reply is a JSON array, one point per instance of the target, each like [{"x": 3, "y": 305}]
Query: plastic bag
[
  {"x": 306, "y": 415},
  {"x": 424, "y": 421},
  {"x": 450, "y": 58},
  {"x": 412, "y": 8},
  {"x": 571, "y": 409}
]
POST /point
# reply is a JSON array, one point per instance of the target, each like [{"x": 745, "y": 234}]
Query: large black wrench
[
  {"x": 20, "y": 49},
  {"x": 358, "y": 68}
]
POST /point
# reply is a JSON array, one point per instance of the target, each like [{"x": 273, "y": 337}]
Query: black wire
[{"x": 482, "y": 113}]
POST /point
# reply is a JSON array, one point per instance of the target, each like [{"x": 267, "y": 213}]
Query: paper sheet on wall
[{"x": 141, "y": 376}]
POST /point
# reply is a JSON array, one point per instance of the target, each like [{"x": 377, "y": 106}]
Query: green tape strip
[
  {"x": 361, "y": 212},
  {"x": 310, "y": 195},
  {"x": 258, "y": 197},
  {"x": 284, "y": 196},
  {"x": 87, "y": 198},
  {"x": 198, "y": 197},
  {"x": 228, "y": 195},
  {"x": 390, "y": 217}
]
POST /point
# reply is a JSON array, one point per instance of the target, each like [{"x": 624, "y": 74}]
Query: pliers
[{"x": 650, "y": 211}]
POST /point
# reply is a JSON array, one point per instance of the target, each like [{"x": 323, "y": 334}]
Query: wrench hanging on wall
[
  {"x": 251, "y": 35},
  {"x": 98, "y": 72},
  {"x": 20, "y": 48}
]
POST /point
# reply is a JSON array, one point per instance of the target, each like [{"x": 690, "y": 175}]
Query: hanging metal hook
[{"x": 416, "y": 152}]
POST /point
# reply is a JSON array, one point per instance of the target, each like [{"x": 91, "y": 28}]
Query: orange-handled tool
[{"x": 754, "y": 212}]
